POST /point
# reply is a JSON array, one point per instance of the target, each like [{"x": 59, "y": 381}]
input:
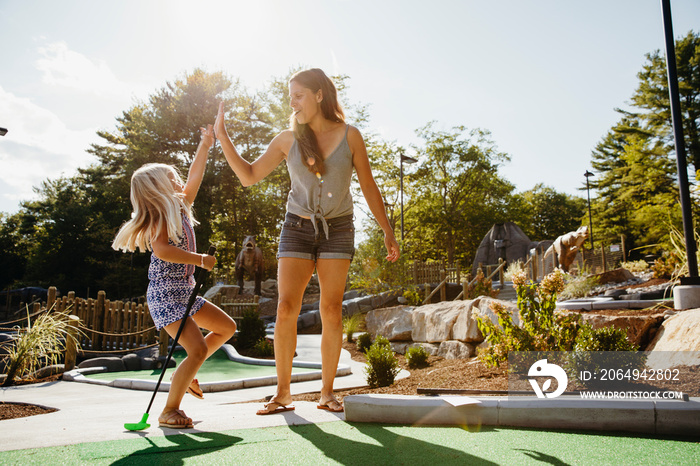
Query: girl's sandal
[
  {"x": 171, "y": 421},
  {"x": 194, "y": 388}
]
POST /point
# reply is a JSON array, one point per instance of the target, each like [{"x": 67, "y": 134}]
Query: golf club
[{"x": 201, "y": 275}]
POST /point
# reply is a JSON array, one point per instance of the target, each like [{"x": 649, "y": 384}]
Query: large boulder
[
  {"x": 226, "y": 291},
  {"x": 465, "y": 328},
  {"x": 394, "y": 323},
  {"x": 453, "y": 349},
  {"x": 433, "y": 322},
  {"x": 112, "y": 363},
  {"x": 614, "y": 276},
  {"x": 677, "y": 342}
]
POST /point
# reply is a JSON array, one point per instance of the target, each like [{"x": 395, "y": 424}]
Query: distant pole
[
  {"x": 681, "y": 162},
  {"x": 590, "y": 217},
  {"x": 407, "y": 159}
]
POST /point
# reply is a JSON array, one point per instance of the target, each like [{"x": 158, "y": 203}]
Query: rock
[
  {"x": 433, "y": 322},
  {"x": 637, "y": 327},
  {"x": 308, "y": 319},
  {"x": 400, "y": 347},
  {"x": 112, "y": 363},
  {"x": 161, "y": 360},
  {"x": 148, "y": 364},
  {"x": 614, "y": 276},
  {"x": 677, "y": 342},
  {"x": 465, "y": 328},
  {"x": 48, "y": 371},
  {"x": 453, "y": 349},
  {"x": 227, "y": 291},
  {"x": 394, "y": 323},
  {"x": 430, "y": 348},
  {"x": 132, "y": 362},
  {"x": 615, "y": 293}
]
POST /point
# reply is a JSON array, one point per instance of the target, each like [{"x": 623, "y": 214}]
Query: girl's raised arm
[
  {"x": 199, "y": 164},
  {"x": 251, "y": 173}
]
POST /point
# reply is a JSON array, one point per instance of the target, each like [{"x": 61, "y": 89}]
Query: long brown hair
[{"x": 315, "y": 79}]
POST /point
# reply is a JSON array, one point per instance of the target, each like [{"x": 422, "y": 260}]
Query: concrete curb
[
  {"x": 78, "y": 375},
  {"x": 571, "y": 413}
]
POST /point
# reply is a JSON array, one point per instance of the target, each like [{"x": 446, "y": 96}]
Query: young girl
[
  {"x": 162, "y": 222},
  {"x": 321, "y": 151}
]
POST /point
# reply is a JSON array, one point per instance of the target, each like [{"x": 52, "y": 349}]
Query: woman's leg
[
  {"x": 293, "y": 276},
  {"x": 192, "y": 340},
  {"x": 332, "y": 276}
]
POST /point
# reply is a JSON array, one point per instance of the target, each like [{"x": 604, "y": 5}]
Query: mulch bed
[{"x": 16, "y": 410}]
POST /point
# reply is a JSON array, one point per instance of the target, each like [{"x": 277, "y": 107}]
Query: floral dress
[{"x": 171, "y": 284}]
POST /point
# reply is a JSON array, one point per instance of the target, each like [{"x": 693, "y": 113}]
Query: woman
[{"x": 321, "y": 151}]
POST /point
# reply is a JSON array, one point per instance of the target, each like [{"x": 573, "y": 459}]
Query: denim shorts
[{"x": 301, "y": 240}]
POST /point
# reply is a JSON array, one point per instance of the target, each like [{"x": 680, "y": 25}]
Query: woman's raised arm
[{"x": 251, "y": 173}]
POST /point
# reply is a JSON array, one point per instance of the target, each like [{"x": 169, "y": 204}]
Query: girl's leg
[
  {"x": 220, "y": 325},
  {"x": 293, "y": 276},
  {"x": 192, "y": 340},
  {"x": 332, "y": 275}
]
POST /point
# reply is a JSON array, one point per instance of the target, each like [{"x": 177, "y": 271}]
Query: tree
[
  {"x": 652, "y": 97},
  {"x": 456, "y": 194},
  {"x": 548, "y": 214}
]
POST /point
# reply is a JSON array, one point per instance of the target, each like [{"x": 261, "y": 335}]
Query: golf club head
[{"x": 138, "y": 425}]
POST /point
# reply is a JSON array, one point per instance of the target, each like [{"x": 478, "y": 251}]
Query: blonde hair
[{"x": 157, "y": 206}]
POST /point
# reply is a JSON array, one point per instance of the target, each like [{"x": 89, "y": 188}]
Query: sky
[{"x": 543, "y": 76}]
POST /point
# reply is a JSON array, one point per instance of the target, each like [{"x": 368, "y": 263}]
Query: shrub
[
  {"x": 250, "y": 331},
  {"x": 382, "y": 366},
  {"x": 635, "y": 266},
  {"x": 578, "y": 287},
  {"x": 351, "y": 325},
  {"x": 603, "y": 339},
  {"x": 416, "y": 356},
  {"x": 481, "y": 286},
  {"x": 541, "y": 330},
  {"x": 667, "y": 266},
  {"x": 264, "y": 349},
  {"x": 513, "y": 268},
  {"x": 364, "y": 341},
  {"x": 38, "y": 344},
  {"x": 413, "y": 296}
]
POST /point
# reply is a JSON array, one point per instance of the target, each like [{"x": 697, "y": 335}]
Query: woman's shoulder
[{"x": 284, "y": 140}]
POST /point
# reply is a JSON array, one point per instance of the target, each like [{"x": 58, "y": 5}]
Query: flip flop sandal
[
  {"x": 173, "y": 425},
  {"x": 327, "y": 406},
  {"x": 195, "y": 390},
  {"x": 280, "y": 408}
]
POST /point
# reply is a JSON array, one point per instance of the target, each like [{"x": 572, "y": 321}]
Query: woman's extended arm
[
  {"x": 371, "y": 192},
  {"x": 199, "y": 164},
  {"x": 251, "y": 173}
]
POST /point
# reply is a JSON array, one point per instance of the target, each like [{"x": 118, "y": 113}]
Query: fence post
[
  {"x": 51, "y": 297},
  {"x": 602, "y": 258},
  {"x": 71, "y": 343},
  {"x": 443, "y": 290},
  {"x": 99, "y": 320},
  {"x": 163, "y": 342},
  {"x": 501, "y": 274},
  {"x": 427, "y": 291}
]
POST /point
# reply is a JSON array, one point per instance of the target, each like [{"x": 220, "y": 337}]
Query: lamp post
[
  {"x": 590, "y": 217},
  {"x": 407, "y": 159}
]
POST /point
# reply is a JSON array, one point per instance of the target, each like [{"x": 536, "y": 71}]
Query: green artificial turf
[
  {"x": 370, "y": 444},
  {"x": 218, "y": 367}
]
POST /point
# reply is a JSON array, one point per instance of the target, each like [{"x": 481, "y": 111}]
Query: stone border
[
  {"x": 570, "y": 413},
  {"x": 78, "y": 375},
  {"x": 593, "y": 304}
]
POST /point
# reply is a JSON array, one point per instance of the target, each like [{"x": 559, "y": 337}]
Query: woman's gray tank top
[{"x": 324, "y": 196}]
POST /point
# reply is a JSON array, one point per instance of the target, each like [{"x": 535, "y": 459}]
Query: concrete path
[{"x": 91, "y": 413}]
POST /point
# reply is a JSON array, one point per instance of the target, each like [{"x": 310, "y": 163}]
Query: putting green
[
  {"x": 363, "y": 444},
  {"x": 215, "y": 369}
]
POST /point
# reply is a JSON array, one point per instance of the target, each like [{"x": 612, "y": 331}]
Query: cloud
[
  {"x": 38, "y": 146},
  {"x": 66, "y": 68}
]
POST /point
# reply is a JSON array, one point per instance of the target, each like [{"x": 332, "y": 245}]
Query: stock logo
[{"x": 543, "y": 369}]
